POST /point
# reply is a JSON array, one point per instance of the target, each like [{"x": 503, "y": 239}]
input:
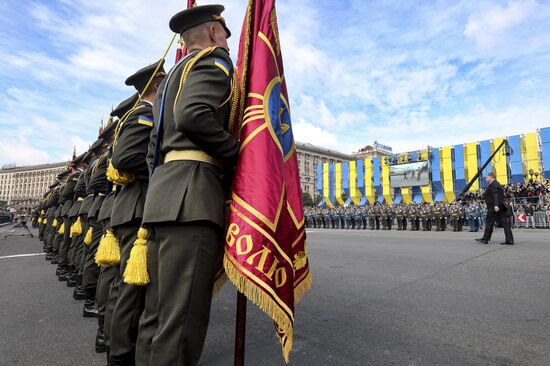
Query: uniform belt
[
  {"x": 90, "y": 195},
  {"x": 101, "y": 194},
  {"x": 192, "y": 155},
  {"x": 80, "y": 199}
]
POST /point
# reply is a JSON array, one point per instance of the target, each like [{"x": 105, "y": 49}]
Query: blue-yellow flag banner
[{"x": 265, "y": 254}]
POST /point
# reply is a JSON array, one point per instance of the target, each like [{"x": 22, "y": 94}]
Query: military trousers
[
  {"x": 129, "y": 302},
  {"x": 65, "y": 243},
  {"x": 106, "y": 276},
  {"x": 41, "y": 229},
  {"x": 90, "y": 273},
  {"x": 149, "y": 320},
  {"x": 187, "y": 256}
]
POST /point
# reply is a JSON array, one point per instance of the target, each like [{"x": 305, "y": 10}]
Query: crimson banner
[{"x": 265, "y": 254}]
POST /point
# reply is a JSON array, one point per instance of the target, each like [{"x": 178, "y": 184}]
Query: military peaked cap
[
  {"x": 78, "y": 160},
  {"x": 63, "y": 174},
  {"x": 189, "y": 18},
  {"x": 141, "y": 77},
  {"x": 96, "y": 145},
  {"x": 124, "y": 106}
]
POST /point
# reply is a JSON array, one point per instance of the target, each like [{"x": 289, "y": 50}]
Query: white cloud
[
  {"x": 307, "y": 132},
  {"x": 509, "y": 31}
]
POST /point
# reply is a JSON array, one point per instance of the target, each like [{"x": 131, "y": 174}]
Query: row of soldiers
[
  {"x": 145, "y": 204},
  {"x": 383, "y": 216}
]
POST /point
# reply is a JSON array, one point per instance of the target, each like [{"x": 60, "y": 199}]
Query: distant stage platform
[{"x": 378, "y": 298}]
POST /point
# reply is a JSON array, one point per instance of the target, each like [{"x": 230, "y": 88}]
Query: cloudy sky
[{"x": 405, "y": 73}]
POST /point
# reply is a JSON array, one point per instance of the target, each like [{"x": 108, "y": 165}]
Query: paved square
[{"x": 378, "y": 298}]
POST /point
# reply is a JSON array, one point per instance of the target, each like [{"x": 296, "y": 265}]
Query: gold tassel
[
  {"x": 54, "y": 223},
  {"x": 61, "y": 230},
  {"x": 76, "y": 228},
  {"x": 108, "y": 251},
  {"x": 118, "y": 177},
  {"x": 45, "y": 221},
  {"x": 88, "y": 237},
  {"x": 42, "y": 212},
  {"x": 39, "y": 220},
  {"x": 136, "y": 267}
]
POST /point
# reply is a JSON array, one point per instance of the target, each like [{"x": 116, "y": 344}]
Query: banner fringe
[
  {"x": 302, "y": 288},
  {"x": 265, "y": 303}
]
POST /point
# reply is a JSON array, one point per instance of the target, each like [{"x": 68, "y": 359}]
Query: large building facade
[
  {"x": 21, "y": 188},
  {"x": 309, "y": 156},
  {"x": 434, "y": 173}
]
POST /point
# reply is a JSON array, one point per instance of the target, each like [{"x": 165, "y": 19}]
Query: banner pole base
[{"x": 240, "y": 329}]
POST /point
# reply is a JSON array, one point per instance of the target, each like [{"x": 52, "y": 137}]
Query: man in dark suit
[
  {"x": 496, "y": 211},
  {"x": 184, "y": 207}
]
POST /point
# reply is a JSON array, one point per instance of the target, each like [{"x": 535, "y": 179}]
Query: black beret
[
  {"x": 124, "y": 106},
  {"x": 141, "y": 77},
  {"x": 189, "y": 18}
]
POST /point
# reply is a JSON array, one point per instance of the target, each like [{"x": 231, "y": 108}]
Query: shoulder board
[
  {"x": 222, "y": 65},
  {"x": 144, "y": 120}
]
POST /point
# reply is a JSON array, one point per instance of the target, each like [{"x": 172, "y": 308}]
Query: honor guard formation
[
  {"x": 157, "y": 173},
  {"x": 530, "y": 203}
]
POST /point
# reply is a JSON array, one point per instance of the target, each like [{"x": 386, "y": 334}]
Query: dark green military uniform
[
  {"x": 68, "y": 194},
  {"x": 108, "y": 273},
  {"x": 129, "y": 156},
  {"x": 185, "y": 203}
]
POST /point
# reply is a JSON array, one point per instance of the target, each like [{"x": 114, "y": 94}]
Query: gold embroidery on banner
[
  {"x": 298, "y": 224},
  {"x": 253, "y": 118},
  {"x": 252, "y": 135},
  {"x": 263, "y": 232},
  {"x": 302, "y": 285},
  {"x": 255, "y": 106},
  {"x": 252, "y": 113},
  {"x": 298, "y": 239},
  {"x": 290, "y": 153},
  {"x": 256, "y": 95},
  {"x": 264, "y": 38},
  {"x": 260, "y": 216},
  {"x": 300, "y": 260},
  {"x": 261, "y": 283}
]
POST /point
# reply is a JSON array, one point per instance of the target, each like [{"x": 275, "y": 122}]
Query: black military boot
[
  {"x": 63, "y": 272},
  {"x": 109, "y": 363},
  {"x": 49, "y": 254},
  {"x": 100, "y": 346},
  {"x": 127, "y": 359},
  {"x": 100, "y": 341},
  {"x": 79, "y": 293},
  {"x": 90, "y": 310},
  {"x": 55, "y": 258},
  {"x": 71, "y": 280}
]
